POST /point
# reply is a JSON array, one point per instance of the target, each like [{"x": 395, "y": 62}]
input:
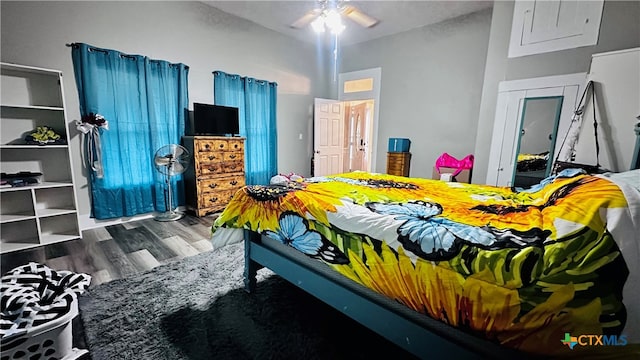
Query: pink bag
[{"x": 446, "y": 160}]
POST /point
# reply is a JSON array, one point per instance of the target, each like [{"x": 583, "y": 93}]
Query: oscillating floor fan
[{"x": 170, "y": 160}]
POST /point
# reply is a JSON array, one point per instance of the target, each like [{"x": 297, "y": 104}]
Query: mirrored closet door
[
  {"x": 531, "y": 117},
  {"x": 538, "y": 128}
]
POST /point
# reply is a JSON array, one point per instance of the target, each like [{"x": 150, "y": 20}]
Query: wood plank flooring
[{"x": 119, "y": 251}]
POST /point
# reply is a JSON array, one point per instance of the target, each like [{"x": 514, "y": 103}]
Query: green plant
[{"x": 44, "y": 134}]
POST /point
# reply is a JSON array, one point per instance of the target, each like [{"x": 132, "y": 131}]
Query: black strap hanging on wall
[
  {"x": 561, "y": 165},
  {"x": 595, "y": 122}
]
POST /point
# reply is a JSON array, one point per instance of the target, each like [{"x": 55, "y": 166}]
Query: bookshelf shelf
[{"x": 43, "y": 212}]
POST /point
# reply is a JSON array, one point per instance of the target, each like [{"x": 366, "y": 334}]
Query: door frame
[
  {"x": 554, "y": 132},
  {"x": 374, "y": 94}
]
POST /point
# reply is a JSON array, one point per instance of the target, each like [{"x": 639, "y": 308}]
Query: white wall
[
  {"x": 619, "y": 29},
  {"x": 430, "y": 89},
  {"x": 204, "y": 38}
]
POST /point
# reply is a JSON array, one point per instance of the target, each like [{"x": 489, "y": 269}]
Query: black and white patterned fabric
[{"x": 34, "y": 294}]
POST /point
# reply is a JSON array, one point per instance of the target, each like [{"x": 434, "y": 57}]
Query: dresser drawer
[
  {"x": 233, "y": 156},
  {"x": 221, "y": 183},
  {"x": 208, "y": 168},
  {"x": 217, "y": 200},
  {"x": 396, "y": 168},
  {"x": 215, "y": 156},
  {"x": 223, "y": 167},
  {"x": 209, "y": 156},
  {"x": 211, "y": 145},
  {"x": 236, "y": 145},
  {"x": 232, "y": 166}
]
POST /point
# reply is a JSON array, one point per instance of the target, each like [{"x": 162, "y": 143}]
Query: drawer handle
[
  {"x": 213, "y": 199},
  {"x": 235, "y": 146},
  {"x": 232, "y": 156},
  {"x": 221, "y": 146},
  {"x": 211, "y": 168},
  {"x": 213, "y": 186},
  {"x": 211, "y": 157},
  {"x": 206, "y": 146},
  {"x": 234, "y": 182}
]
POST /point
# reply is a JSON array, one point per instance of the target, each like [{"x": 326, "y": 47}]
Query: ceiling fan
[{"x": 328, "y": 14}]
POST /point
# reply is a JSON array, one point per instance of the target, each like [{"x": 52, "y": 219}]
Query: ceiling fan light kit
[
  {"x": 328, "y": 19},
  {"x": 329, "y": 16}
]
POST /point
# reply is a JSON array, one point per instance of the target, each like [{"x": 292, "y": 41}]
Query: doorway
[
  {"x": 342, "y": 136},
  {"x": 345, "y": 130}
]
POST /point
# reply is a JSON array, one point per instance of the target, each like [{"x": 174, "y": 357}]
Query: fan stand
[{"x": 170, "y": 214}]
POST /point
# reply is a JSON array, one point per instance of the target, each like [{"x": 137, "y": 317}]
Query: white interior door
[
  {"x": 359, "y": 138},
  {"x": 328, "y": 137}
]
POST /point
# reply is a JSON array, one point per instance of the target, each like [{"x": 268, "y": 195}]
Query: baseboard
[{"x": 86, "y": 222}]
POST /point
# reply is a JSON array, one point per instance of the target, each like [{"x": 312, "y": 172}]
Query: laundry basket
[
  {"x": 39, "y": 305},
  {"x": 52, "y": 340}
]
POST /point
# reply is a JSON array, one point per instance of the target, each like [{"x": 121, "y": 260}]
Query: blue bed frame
[{"x": 418, "y": 334}]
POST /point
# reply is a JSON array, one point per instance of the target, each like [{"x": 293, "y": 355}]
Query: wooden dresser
[
  {"x": 215, "y": 174},
  {"x": 398, "y": 163}
]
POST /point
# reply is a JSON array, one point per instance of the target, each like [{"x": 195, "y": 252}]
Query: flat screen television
[{"x": 215, "y": 120}]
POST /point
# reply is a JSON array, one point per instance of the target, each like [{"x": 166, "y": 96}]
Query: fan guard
[{"x": 171, "y": 160}]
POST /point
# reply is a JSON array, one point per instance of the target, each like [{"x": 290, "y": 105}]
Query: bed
[{"x": 454, "y": 269}]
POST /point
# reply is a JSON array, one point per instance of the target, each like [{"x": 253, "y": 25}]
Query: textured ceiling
[{"x": 394, "y": 16}]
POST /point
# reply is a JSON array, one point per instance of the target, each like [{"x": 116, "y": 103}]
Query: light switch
[{"x": 300, "y": 136}]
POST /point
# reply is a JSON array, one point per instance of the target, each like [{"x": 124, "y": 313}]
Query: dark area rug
[{"x": 197, "y": 309}]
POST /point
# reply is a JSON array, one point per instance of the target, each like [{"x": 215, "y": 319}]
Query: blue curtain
[
  {"x": 256, "y": 101},
  {"x": 144, "y": 102}
]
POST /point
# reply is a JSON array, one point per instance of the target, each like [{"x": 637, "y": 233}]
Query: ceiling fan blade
[
  {"x": 358, "y": 16},
  {"x": 306, "y": 19}
]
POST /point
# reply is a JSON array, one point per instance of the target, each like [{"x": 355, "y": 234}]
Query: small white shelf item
[{"x": 44, "y": 212}]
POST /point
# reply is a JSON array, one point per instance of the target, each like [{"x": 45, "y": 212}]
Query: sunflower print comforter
[{"x": 532, "y": 269}]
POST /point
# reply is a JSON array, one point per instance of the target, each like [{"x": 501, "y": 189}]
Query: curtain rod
[
  {"x": 248, "y": 78},
  {"x": 91, "y": 48}
]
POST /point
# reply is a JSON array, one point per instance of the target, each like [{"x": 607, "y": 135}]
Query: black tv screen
[{"x": 215, "y": 120}]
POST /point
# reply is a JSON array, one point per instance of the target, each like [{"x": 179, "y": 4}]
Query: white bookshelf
[{"x": 46, "y": 212}]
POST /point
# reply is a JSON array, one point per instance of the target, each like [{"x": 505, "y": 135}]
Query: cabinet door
[
  {"x": 503, "y": 142},
  {"x": 542, "y": 26},
  {"x": 618, "y": 105},
  {"x": 511, "y": 96}
]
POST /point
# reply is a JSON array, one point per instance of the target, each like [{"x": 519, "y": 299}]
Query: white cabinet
[
  {"x": 508, "y": 120},
  {"x": 616, "y": 76},
  {"x": 44, "y": 212},
  {"x": 542, "y": 26}
]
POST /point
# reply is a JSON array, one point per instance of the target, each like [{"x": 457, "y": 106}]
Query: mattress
[{"x": 522, "y": 268}]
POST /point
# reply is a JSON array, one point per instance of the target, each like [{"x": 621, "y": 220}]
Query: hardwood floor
[
  {"x": 122, "y": 250},
  {"x": 119, "y": 251}
]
